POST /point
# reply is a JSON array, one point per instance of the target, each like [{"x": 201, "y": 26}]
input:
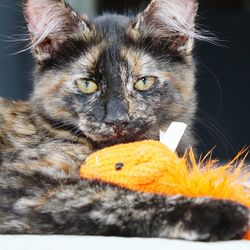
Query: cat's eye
[
  {"x": 86, "y": 86},
  {"x": 145, "y": 83}
]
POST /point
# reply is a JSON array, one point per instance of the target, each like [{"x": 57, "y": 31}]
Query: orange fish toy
[{"x": 153, "y": 167}]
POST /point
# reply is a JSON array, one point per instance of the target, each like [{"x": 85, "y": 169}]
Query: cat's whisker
[
  {"x": 199, "y": 138},
  {"x": 215, "y": 125},
  {"x": 217, "y": 81},
  {"x": 217, "y": 133},
  {"x": 14, "y": 38}
]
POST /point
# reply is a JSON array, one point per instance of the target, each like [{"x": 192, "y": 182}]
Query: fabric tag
[{"x": 172, "y": 137}]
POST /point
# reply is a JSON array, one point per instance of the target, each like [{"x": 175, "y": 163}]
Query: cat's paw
[{"x": 216, "y": 220}]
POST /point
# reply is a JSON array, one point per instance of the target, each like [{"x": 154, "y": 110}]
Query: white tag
[{"x": 172, "y": 137}]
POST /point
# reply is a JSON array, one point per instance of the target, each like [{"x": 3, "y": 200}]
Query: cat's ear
[
  {"x": 50, "y": 23},
  {"x": 172, "y": 20}
]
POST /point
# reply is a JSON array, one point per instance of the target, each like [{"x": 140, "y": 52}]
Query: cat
[{"x": 99, "y": 82}]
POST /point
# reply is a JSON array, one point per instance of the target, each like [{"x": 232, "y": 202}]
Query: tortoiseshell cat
[{"x": 99, "y": 82}]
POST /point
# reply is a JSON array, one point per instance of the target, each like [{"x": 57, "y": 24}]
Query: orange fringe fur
[
  {"x": 203, "y": 179},
  {"x": 151, "y": 167}
]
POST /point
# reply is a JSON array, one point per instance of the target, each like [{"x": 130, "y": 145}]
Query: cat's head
[{"x": 114, "y": 78}]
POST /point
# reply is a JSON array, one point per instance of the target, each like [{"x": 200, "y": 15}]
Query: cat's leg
[
  {"x": 58, "y": 160},
  {"x": 89, "y": 208}
]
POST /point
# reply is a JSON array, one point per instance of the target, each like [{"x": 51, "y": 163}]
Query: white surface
[
  {"x": 110, "y": 243},
  {"x": 172, "y": 137}
]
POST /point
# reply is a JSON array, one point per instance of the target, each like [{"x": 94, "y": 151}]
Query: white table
[{"x": 110, "y": 243}]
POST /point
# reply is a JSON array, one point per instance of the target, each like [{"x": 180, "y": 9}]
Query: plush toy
[{"x": 149, "y": 166}]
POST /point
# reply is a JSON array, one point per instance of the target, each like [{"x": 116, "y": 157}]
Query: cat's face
[{"x": 115, "y": 78}]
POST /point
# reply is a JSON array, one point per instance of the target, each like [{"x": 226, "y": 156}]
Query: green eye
[
  {"x": 86, "y": 86},
  {"x": 145, "y": 83}
]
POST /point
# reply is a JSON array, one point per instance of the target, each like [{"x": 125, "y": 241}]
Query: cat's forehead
[
  {"x": 116, "y": 45},
  {"x": 110, "y": 49},
  {"x": 112, "y": 27},
  {"x": 110, "y": 58}
]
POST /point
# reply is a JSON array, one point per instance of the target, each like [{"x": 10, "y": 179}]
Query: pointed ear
[
  {"x": 173, "y": 20},
  {"x": 50, "y": 23}
]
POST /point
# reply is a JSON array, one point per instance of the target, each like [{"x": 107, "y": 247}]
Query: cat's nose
[
  {"x": 117, "y": 121},
  {"x": 117, "y": 114}
]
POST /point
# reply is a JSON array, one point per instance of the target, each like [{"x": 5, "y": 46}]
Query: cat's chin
[{"x": 102, "y": 142}]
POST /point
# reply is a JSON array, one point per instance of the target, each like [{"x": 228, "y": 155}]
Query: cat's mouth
[
  {"x": 124, "y": 136},
  {"x": 119, "y": 137},
  {"x": 111, "y": 135}
]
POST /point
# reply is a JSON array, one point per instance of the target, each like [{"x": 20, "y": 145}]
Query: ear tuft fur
[
  {"x": 173, "y": 20},
  {"x": 50, "y": 23}
]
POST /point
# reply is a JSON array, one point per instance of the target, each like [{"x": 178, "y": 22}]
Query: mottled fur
[{"x": 44, "y": 141}]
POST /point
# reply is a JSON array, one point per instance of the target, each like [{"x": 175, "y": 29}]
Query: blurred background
[{"x": 223, "y": 118}]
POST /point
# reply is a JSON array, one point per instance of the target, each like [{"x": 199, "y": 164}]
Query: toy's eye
[
  {"x": 86, "y": 86},
  {"x": 145, "y": 83}
]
